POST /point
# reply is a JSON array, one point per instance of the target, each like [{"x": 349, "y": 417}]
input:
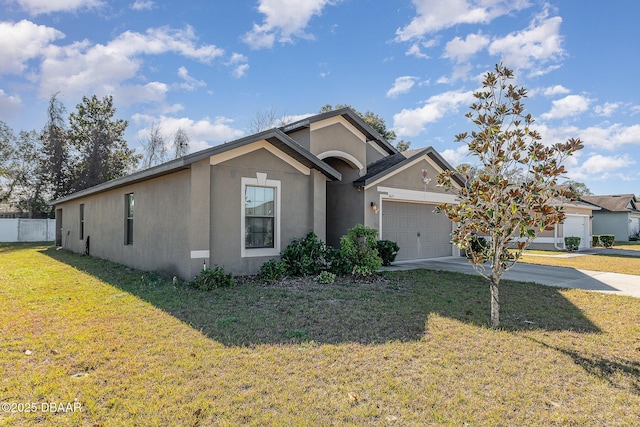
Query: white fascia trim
[
  {"x": 342, "y": 155},
  {"x": 397, "y": 171},
  {"x": 241, "y": 151},
  {"x": 402, "y": 195},
  {"x": 335, "y": 120},
  {"x": 261, "y": 181}
]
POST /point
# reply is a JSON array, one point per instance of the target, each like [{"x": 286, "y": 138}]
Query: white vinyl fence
[{"x": 27, "y": 230}]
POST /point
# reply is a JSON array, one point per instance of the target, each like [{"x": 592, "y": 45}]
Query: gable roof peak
[{"x": 350, "y": 116}]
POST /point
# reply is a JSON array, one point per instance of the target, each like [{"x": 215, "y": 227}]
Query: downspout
[{"x": 555, "y": 237}]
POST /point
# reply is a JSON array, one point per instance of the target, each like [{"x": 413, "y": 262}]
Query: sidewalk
[{"x": 610, "y": 283}]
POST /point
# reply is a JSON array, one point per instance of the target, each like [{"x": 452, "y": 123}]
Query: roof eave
[{"x": 273, "y": 136}]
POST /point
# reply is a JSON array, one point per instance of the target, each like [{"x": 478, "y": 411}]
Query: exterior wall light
[{"x": 374, "y": 207}]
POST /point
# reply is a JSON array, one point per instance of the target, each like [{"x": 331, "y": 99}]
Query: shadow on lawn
[
  {"x": 392, "y": 307},
  {"x": 621, "y": 374}
]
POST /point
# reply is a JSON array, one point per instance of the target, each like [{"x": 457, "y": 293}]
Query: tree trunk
[{"x": 495, "y": 302}]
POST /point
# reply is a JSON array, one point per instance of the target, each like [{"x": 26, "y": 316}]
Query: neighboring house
[
  {"x": 240, "y": 203},
  {"x": 618, "y": 215},
  {"x": 577, "y": 223}
]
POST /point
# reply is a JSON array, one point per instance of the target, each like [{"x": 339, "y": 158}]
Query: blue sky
[{"x": 211, "y": 66}]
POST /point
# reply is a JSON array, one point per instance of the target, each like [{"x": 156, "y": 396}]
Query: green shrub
[
  {"x": 212, "y": 278},
  {"x": 607, "y": 240},
  {"x": 387, "y": 250},
  {"x": 595, "y": 241},
  {"x": 336, "y": 263},
  {"x": 572, "y": 244},
  {"x": 326, "y": 278},
  {"x": 358, "y": 246},
  {"x": 272, "y": 270},
  {"x": 305, "y": 256}
]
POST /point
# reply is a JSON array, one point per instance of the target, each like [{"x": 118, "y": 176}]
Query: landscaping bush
[
  {"x": 272, "y": 270},
  {"x": 305, "y": 256},
  {"x": 607, "y": 240},
  {"x": 326, "y": 278},
  {"x": 336, "y": 263},
  {"x": 572, "y": 244},
  {"x": 212, "y": 278},
  {"x": 358, "y": 246},
  {"x": 595, "y": 241},
  {"x": 387, "y": 250}
]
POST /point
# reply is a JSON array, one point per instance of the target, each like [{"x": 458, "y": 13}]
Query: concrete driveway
[{"x": 563, "y": 277}]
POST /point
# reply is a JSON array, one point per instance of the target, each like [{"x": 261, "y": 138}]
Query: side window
[
  {"x": 129, "y": 202},
  {"x": 81, "y": 233},
  {"x": 260, "y": 216},
  {"x": 259, "y": 211}
]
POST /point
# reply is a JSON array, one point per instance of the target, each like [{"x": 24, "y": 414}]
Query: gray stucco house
[
  {"x": 618, "y": 215},
  {"x": 240, "y": 203}
]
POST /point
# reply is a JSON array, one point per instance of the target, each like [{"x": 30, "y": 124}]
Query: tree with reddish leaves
[{"x": 508, "y": 214}]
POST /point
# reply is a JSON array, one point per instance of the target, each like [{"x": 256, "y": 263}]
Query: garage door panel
[{"x": 418, "y": 230}]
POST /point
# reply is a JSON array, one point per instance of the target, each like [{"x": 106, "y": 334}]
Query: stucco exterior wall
[
  {"x": 345, "y": 203},
  {"x": 297, "y": 216},
  {"x": 616, "y": 223},
  {"x": 160, "y": 230},
  {"x": 410, "y": 178},
  {"x": 302, "y": 137},
  {"x": 373, "y": 154},
  {"x": 337, "y": 137}
]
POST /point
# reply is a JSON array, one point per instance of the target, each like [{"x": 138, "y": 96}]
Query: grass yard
[
  {"x": 632, "y": 246},
  {"x": 408, "y": 348},
  {"x": 597, "y": 262}
]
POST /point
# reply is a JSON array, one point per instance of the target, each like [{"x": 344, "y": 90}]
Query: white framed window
[
  {"x": 260, "y": 216},
  {"x": 81, "y": 233},
  {"x": 128, "y": 219}
]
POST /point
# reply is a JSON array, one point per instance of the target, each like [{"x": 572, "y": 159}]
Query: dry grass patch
[
  {"x": 599, "y": 262},
  {"x": 408, "y": 348},
  {"x": 630, "y": 246}
]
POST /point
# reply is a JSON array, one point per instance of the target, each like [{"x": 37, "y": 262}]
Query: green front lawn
[
  {"x": 599, "y": 262},
  {"x": 407, "y": 348}
]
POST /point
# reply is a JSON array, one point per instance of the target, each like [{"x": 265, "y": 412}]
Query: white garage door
[
  {"x": 417, "y": 229},
  {"x": 577, "y": 226}
]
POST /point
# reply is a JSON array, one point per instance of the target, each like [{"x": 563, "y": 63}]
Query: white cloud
[
  {"x": 611, "y": 137},
  {"x": 22, "y": 41},
  {"x": 457, "y": 156},
  {"x": 410, "y": 122},
  {"x": 143, "y": 5},
  {"x": 401, "y": 85},
  {"x": 599, "y": 168},
  {"x": 607, "y": 109},
  {"x": 533, "y": 48},
  {"x": 416, "y": 48},
  {"x": 203, "y": 133},
  {"x": 570, "y": 105},
  {"x": 555, "y": 90},
  {"x": 81, "y": 67},
  {"x": 284, "y": 19},
  {"x": 239, "y": 65},
  {"x": 36, "y": 7},
  {"x": 189, "y": 83},
  {"x": 9, "y": 104},
  {"x": 436, "y": 15},
  {"x": 462, "y": 50},
  {"x": 133, "y": 94}
]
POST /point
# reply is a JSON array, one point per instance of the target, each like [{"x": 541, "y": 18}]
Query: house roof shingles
[{"x": 613, "y": 203}]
